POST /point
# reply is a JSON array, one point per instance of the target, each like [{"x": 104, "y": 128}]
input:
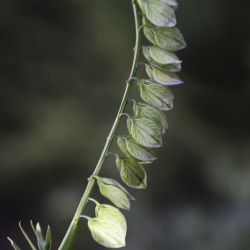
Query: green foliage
[
  {"x": 115, "y": 192},
  {"x": 42, "y": 243},
  {"x": 146, "y": 128},
  {"x": 132, "y": 172},
  {"x": 109, "y": 227}
]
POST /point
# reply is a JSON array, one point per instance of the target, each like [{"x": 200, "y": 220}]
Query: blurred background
[{"x": 62, "y": 75}]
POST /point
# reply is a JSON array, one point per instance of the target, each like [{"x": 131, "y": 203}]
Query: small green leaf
[
  {"x": 147, "y": 111},
  {"x": 169, "y": 39},
  {"x": 163, "y": 60},
  {"x": 109, "y": 212},
  {"x": 132, "y": 173},
  {"x": 13, "y": 244},
  {"x": 27, "y": 237},
  {"x": 114, "y": 191},
  {"x": 137, "y": 151},
  {"x": 168, "y": 79},
  {"x": 156, "y": 95},
  {"x": 107, "y": 233},
  {"x": 48, "y": 239},
  {"x": 43, "y": 244},
  {"x": 163, "y": 57},
  {"x": 145, "y": 132},
  {"x": 159, "y": 13},
  {"x": 40, "y": 238}
]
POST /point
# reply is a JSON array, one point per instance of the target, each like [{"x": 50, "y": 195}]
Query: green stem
[{"x": 68, "y": 238}]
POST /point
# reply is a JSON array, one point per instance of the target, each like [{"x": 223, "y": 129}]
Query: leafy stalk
[
  {"x": 69, "y": 237},
  {"x": 146, "y": 128}
]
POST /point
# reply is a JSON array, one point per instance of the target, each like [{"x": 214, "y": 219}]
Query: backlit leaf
[
  {"x": 168, "y": 79},
  {"x": 159, "y": 13},
  {"x": 115, "y": 192},
  {"x": 169, "y": 39},
  {"x": 163, "y": 57},
  {"x": 156, "y": 95},
  {"x": 147, "y": 111},
  {"x": 107, "y": 233},
  {"x": 137, "y": 151},
  {"x": 112, "y": 213},
  {"x": 145, "y": 132},
  {"x": 162, "y": 60},
  {"x": 132, "y": 173}
]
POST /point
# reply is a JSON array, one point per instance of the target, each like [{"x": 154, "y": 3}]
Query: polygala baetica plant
[{"x": 146, "y": 127}]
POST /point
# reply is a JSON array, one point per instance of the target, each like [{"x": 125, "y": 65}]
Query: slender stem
[{"x": 110, "y": 138}]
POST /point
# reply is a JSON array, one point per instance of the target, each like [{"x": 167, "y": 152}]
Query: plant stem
[{"x": 73, "y": 226}]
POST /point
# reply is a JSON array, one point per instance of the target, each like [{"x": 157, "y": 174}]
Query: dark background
[{"x": 63, "y": 71}]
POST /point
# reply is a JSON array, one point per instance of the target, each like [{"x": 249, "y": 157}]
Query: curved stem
[{"x": 68, "y": 238}]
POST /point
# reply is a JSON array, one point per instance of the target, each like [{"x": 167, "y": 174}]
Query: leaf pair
[
  {"x": 109, "y": 227},
  {"x": 42, "y": 243}
]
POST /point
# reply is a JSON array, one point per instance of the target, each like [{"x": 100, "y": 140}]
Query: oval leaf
[
  {"x": 169, "y": 39},
  {"x": 107, "y": 233},
  {"x": 166, "y": 64},
  {"x": 132, "y": 173},
  {"x": 137, "y": 151},
  {"x": 147, "y": 111},
  {"x": 112, "y": 213},
  {"x": 168, "y": 79},
  {"x": 115, "y": 192},
  {"x": 145, "y": 132},
  {"x": 163, "y": 57},
  {"x": 156, "y": 95},
  {"x": 159, "y": 13}
]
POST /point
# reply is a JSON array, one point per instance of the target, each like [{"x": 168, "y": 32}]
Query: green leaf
[
  {"x": 169, "y": 39},
  {"x": 163, "y": 57},
  {"x": 159, "y": 13},
  {"x": 48, "y": 239},
  {"x": 13, "y": 244},
  {"x": 147, "y": 111},
  {"x": 115, "y": 192},
  {"x": 43, "y": 244},
  {"x": 106, "y": 211},
  {"x": 156, "y": 95},
  {"x": 163, "y": 60},
  {"x": 27, "y": 237},
  {"x": 145, "y": 132},
  {"x": 109, "y": 228},
  {"x": 136, "y": 151},
  {"x": 107, "y": 233},
  {"x": 168, "y": 79},
  {"x": 40, "y": 238},
  {"x": 132, "y": 173}
]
